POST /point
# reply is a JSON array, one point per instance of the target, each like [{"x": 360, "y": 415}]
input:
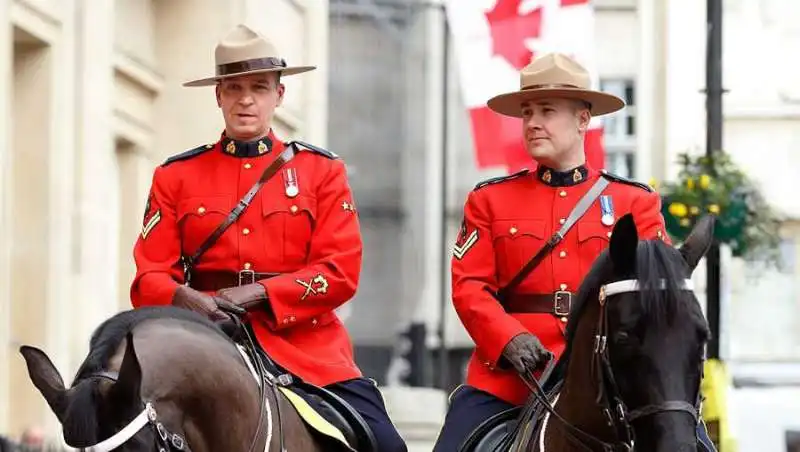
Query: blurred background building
[{"x": 92, "y": 102}]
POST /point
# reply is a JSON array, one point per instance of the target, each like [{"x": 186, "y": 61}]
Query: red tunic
[
  {"x": 312, "y": 240},
  {"x": 506, "y": 221}
]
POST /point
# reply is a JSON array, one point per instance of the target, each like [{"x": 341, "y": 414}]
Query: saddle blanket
[{"x": 304, "y": 404}]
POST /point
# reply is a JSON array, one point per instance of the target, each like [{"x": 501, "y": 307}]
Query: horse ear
[
  {"x": 127, "y": 388},
  {"x": 699, "y": 241},
  {"x": 46, "y": 378},
  {"x": 624, "y": 240}
]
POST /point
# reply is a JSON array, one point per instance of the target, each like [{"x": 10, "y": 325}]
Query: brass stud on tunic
[
  {"x": 547, "y": 177},
  {"x": 577, "y": 176},
  {"x": 230, "y": 148},
  {"x": 262, "y": 148}
]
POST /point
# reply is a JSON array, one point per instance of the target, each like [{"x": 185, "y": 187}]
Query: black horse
[{"x": 630, "y": 376}]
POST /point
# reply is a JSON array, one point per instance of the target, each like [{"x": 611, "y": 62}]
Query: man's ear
[{"x": 217, "y": 94}]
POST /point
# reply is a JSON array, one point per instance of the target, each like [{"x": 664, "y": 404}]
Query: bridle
[
  {"x": 609, "y": 397},
  {"x": 167, "y": 441}
]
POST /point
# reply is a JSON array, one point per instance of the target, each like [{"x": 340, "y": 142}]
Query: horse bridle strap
[
  {"x": 632, "y": 285},
  {"x": 168, "y": 441}
]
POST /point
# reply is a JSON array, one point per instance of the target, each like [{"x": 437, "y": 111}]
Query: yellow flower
[
  {"x": 684, "y": 222},
  {"x": 690, "y": 183},
  {"x": 713, "y": 208},
  {"x": 705, "y": 181},
  {"x": 678, "y": 209},
  {"x": 694, "y": 210}
]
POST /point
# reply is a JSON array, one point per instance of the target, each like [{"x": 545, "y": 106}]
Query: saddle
[{"x": 323, "y": 402}]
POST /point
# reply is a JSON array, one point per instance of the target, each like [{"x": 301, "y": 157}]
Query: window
[{"x": 619, "y": 129}]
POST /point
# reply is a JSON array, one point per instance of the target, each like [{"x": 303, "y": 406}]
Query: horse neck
[
  {"x": 577, "y": 402},
  {"x": 208, "y": 383}
]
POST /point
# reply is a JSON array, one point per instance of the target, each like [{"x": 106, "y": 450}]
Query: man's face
[
  {"x": 553, "y": 129},
  {"x": 248, "y": 104}
]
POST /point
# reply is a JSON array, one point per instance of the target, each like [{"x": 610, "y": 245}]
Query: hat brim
[
  {"x": 283, "y": 70},
  {"x": 509, "y": 104}
]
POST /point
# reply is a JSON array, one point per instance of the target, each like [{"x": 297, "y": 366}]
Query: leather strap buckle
[
  {"x": 246, "y": 277},
  {"x": 562, "y": 302}
]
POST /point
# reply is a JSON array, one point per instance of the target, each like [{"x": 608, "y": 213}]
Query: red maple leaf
[{"x": 510, "y": 30}]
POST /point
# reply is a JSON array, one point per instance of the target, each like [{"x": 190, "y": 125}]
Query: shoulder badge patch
[
  {"x": 465, "y": 241},
  {"x": 152, "y": 216},
  {"x": 623, "y": 180},
  {"x": 188, "y": 154},
  {"x": 497, "y": 180},
  {"x": 316, "y": 149}
]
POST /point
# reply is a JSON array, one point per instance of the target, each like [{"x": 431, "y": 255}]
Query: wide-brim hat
[
  {"x": 243, "y": 51},
  {"x": 555, "y": 75}
]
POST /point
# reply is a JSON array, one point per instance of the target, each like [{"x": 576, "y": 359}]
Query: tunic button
[
  {"x": 608, "y": 234},
  {"x": 563, "y": 287},
  {"x": 562, "y": 221},
  {"x": 314, "y": 322},
  {"x": 513, "y": 230},
  {"x": 293, "y": 209},
  {"x": 563, "y": 320},
  {"x": 562, "y": 193},
  {"x": 291, "y": 318},
  {"x": 562, "y": 254},
  {"x": 247, "y": 265},
  {"x": 247, "y": 166},
  {"x": 201, "y": 210},
  {"x": 245, "y": 231}
]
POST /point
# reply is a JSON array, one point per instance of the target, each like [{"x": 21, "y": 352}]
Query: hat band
[
  {"x": 551, "y": 86},
  {"x": 255, "y": 64}
]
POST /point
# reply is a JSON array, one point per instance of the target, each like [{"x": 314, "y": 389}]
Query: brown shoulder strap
[
  {"x": 577, "y": 212},
  {"x": 189, "y": 262}
]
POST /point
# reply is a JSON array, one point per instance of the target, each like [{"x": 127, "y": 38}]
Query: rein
[
  {"x": 609, "y": 398},
  {"x": 167, "y": 441}
]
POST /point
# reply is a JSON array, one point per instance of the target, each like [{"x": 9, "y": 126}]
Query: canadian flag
[{"x": 493, "y": 41}]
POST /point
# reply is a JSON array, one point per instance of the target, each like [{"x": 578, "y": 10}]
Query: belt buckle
[
  {"x": 246, "y": 277},
  {"x": 562, "y": 302}
]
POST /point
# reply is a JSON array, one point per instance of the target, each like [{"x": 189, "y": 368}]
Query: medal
[
  {"x": 290, "y": 179},
  {"x": 606, "y": 210}
]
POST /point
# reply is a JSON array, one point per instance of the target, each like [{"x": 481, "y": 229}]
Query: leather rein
[{"x": 609, "y": 397}]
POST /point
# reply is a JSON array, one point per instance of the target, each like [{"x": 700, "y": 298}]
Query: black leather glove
[
  {"x": 239, "y": 299},
  {"x": 194, "y": 300},
  {"x": 527, "y": 354}
]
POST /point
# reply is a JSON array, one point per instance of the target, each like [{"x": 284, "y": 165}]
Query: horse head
[
  {"x": 155, "y": 379},
  {"x": 635, "y": 347}
]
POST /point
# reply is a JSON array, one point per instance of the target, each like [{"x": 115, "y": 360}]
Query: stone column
[
  {"x": 96, "y": 219},
  {"x": 6, "y": 350}
]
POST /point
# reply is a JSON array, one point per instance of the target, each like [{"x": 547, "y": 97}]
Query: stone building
[{"x": 91, "y": 102}]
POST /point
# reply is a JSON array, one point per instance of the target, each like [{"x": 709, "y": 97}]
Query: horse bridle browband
[
  {"x": 167, "y": 441},
  {"x": 609, "y": 398}
]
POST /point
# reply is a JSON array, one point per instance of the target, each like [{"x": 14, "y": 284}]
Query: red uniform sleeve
[
  {"x": 335, "y": 253},
  {"x": 474, "y": 282},
  {"x": 646, "y": 210},
  {"x": 157, "y": 249}
]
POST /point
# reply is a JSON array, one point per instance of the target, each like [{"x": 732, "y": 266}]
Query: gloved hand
[
  {"x": 194, "y": 300},
  {"x": 527, "y": 354},
  {"x": 241, "y": 298}
]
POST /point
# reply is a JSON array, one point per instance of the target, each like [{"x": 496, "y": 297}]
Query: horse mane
[
  {"x": 80, "y": 422},
  {"x": 655, "y": 262}
]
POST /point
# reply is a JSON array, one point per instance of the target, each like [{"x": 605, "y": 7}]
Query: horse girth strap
[
  {"x": 189, "y": 262},
  {"x": 577, "y": 212}
]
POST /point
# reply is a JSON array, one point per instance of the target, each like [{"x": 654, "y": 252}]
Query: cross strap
[
  {"x": 190, "y": 261},
  {"x": 577, "y": 212}
]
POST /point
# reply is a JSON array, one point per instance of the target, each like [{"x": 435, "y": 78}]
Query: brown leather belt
[
  {"x": 558, "y": 303},
  {"x": 215, "y": 280}
]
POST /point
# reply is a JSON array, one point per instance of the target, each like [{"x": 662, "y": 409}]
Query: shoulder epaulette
[
  {"x": 188, "y": 154},
  {"x": 497, "y": 180},
  {"x": 623, "y": 180},
  {"x": 316, "y": 149}
]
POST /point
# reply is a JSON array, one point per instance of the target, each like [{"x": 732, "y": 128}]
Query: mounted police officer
[
  {"x": 289, "y": 259},
  {"x": 507, "y": 220}
]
